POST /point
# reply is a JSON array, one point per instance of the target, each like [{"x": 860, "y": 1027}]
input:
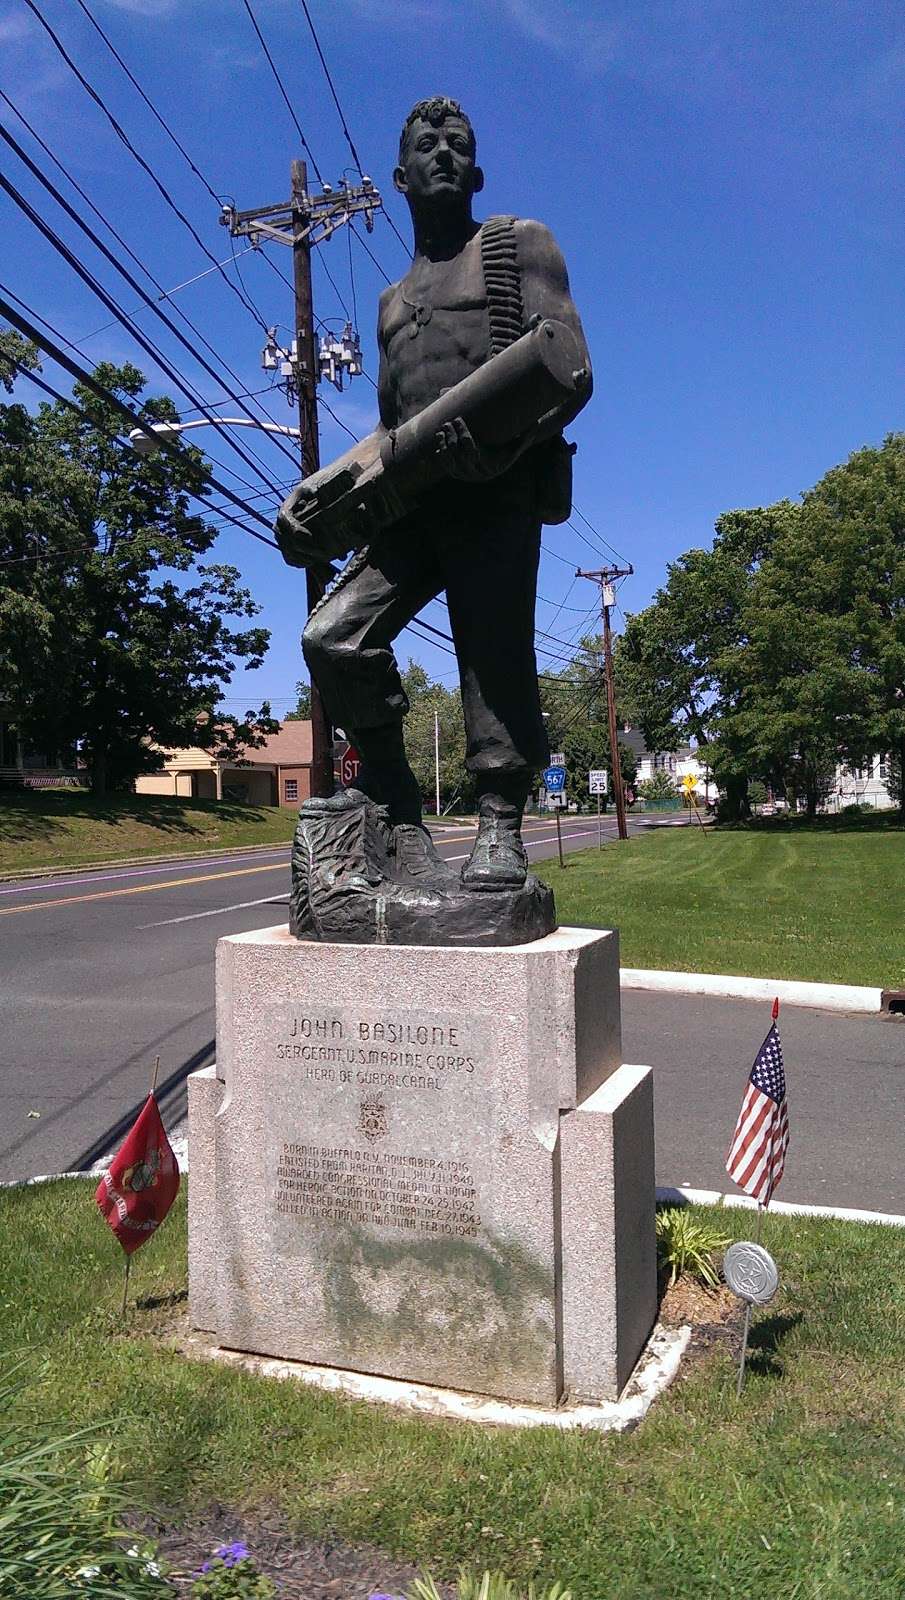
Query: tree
[
  {"x": 426, "y": 697},
  {"x": 782, "y": 648},
  {"x": 113, "y": 635},
  {"x": 660, "y": 786},
  {"x": 302, "y": 712}
]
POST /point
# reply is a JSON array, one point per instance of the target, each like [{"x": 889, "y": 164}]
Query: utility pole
[
  {"x": 605, "y": 578},
  {"x": 306, "y": 389},
  {"x": 437, "y": 758},
  {"x": 302, "y": 222}
]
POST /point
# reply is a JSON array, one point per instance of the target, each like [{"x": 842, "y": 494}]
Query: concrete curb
[
  {"x": 665, "y": 1194},
  {"x": 657, "y": 1366},
  {"x": 30, "y": 874},
  {"x": 820, "y": 996},
  {"x": 785, "y": 1208}
]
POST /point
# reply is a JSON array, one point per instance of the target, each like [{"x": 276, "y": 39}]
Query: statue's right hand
[{"x": 294, "y": 546}]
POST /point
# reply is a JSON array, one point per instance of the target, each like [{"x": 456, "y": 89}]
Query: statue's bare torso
[{"x": 433, "y": 330}]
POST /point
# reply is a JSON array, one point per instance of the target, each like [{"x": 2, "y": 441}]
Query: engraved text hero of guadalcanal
[
  {"x": 367, "y": 1052},
  {"x": 483, "y": 363}
]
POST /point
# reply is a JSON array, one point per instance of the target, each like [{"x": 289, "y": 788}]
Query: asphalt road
[{"x": 101, "y": 971}]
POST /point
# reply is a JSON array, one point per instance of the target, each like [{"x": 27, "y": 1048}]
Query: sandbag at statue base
[{"x": 358, "y": 880}]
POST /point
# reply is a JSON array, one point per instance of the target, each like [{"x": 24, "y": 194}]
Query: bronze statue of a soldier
[{"x": 477, "y": 296}]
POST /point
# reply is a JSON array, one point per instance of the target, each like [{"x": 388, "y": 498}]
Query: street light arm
[{"x": 141, "y": 441}]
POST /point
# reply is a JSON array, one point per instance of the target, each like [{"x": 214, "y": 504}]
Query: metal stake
[
  {"x": 559, "y": 838},
  {"x": 126, "y": 1285},
  {"x": 741, "y": 1365},
  {"x": 599, "y": 824}
]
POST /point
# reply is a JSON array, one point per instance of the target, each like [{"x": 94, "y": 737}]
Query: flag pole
[
  {"x": 154, "y": 1075},
  {"x": 761, "y": 1209}
]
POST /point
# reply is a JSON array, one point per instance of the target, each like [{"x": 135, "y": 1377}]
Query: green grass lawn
[
  {"x": 59, "y": 827},
  {"x": 796, "y": 1491},
  {"x": 783, "y": 902}
]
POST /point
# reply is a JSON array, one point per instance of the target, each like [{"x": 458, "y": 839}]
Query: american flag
[{"x": 757, "y": 1154}]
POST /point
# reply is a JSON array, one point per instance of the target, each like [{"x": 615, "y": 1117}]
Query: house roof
[{"x": 291, "y": 747}]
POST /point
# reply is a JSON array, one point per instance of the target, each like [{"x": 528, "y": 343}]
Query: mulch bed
[
  {"x": 301, "y": 1568},
  {"x": 715, "y": 1315}
]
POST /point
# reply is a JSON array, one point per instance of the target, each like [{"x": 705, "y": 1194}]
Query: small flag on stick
[
  {"x": 757, "y": 1154},
  {"x": 142, "y": 1181}
]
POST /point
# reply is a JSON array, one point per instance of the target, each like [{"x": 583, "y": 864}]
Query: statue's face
[{"x": 438, "y": 164}]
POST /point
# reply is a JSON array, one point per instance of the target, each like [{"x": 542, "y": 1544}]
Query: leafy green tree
[
  {"x": 427, "y": 697},
  {"x": 782, "y": 648},
  {"x": 302, "y": 712},
  {"x": 113, "y": 634},
  {"x": 660, "y": 786}
]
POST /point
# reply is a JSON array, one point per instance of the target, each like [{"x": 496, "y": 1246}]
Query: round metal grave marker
[{"x": 750, "y": 1272}]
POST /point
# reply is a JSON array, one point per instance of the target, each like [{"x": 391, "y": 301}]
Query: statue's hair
[{"x": 434, "y": 111}]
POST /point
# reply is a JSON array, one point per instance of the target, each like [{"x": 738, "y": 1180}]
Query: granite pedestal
[{"x": 425, "y": 1163}]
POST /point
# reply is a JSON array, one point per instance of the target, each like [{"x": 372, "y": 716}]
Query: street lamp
[{"x": 140, "y": 439}]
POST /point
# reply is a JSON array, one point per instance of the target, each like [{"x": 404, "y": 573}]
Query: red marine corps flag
[{"x": 142, "y": 1181}]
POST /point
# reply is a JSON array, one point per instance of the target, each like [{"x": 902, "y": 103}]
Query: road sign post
[
  {"x": 597, "y": 785},
  {"x": 555, "y": 783}
]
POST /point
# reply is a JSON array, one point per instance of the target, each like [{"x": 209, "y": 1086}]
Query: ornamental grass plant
[
  {"x": 688, "y": 1243},
  {"x": 61, "y": 1534}
]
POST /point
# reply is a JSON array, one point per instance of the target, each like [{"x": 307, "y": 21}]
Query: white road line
[
  {"x": 37, "y": 886},
  {"x": 218, "y": 911},
  {"x": 244, "y": 905}
]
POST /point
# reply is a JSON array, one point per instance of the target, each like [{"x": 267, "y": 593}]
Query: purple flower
[
  {"x": 229, "y": 1554},
  {"x": 385, "y": 1597}
]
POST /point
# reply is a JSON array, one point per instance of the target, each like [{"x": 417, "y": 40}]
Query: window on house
[
  {"x": 883, "y": 770},
  {"x": 292, "y": 788}
]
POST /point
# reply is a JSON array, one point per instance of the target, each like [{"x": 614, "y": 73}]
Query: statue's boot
[
  {"x": 343, "y": 800},
  {"x": 498, "y": 859}
]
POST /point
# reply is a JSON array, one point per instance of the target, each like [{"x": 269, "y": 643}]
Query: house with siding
[{"x": 278, "y": 773}]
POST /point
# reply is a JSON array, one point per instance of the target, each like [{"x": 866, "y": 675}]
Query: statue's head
[{"x": 437, "y": 152}]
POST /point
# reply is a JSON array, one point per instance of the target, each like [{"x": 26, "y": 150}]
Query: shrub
[
  {"x": 60, "y": 1533},
  {"x": 490, "y": 1586},
  {"x": 685, "y": 1244}
]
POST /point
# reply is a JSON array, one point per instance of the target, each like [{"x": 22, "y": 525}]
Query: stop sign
[{"x": 349, "y": 766}]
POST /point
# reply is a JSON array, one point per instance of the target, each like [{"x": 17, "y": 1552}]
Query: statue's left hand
[{"x": 463, "y": 458}]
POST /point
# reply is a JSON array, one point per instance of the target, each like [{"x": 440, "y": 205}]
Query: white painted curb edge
[
  {"x": 657, "y": 1366},
  {"x": 677, "y": 1196},
  {"x": 823, "y": 996},
  {"x": 742, "y": 1202}
]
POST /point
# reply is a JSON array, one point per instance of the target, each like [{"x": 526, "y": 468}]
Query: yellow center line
[
  {"x": 141, "y": 888},
  {"x": 175, "y": 883}
]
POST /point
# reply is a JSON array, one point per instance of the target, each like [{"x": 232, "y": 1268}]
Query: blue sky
[{"x": 726, "y": 180}]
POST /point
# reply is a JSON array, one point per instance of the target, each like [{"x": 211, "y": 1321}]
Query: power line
[
  {"x": 611, "y": 547},
  {"x": 345, "y": 127},
  {"x": 114, "y": 233},
  {"x": 150, "y": 105},
  {"x": 317, "y": 45},
  {"x": 339, "y": 422},
  {"x": 127, "y": 142},
  {"x": 222, "y": 466},
  {"x": 112, "y": 305},
  {"x": 76, "y": 371},
  {"x": 369, "y": 252},
  {"x": 282, "y": 88}
]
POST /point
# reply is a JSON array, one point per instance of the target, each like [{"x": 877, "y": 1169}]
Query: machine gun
[{"x": 536, "y": 385}]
